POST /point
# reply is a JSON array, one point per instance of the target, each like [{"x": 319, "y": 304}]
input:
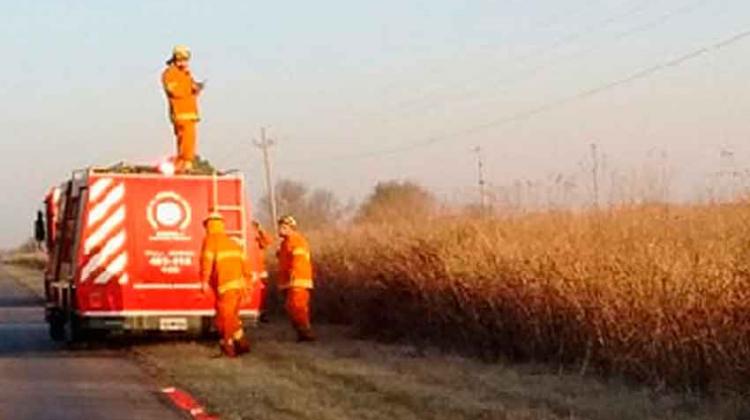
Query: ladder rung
[{"x": 228, "y": 208}]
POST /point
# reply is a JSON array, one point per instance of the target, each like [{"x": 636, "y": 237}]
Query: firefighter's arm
[
  {"x": 206, "y": 266},
  {"x": 174, "y": 88},
  {"x": 300, "y": 259},
  {"x": 264, "y": 239}
]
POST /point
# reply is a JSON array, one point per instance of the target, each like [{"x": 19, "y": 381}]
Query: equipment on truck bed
[{"x": 125, "y": 247}]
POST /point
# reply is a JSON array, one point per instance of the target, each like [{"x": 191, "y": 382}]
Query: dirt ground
[{"x": 343, "y": 377}]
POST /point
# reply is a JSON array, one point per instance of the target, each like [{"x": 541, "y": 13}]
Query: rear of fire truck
[{"x": 125, "y": 253}]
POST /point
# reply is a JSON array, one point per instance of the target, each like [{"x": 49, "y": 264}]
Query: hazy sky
[{"x": 339, "y": 82}]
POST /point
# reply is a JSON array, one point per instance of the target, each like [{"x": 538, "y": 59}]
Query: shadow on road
[{"x": 23, "y": 301}]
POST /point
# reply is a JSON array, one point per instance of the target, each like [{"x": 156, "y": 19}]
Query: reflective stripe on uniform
[
  {"x": 303, "y": 283},
  {"x": 301, "y": 252},
  {"x": 222, "y": 255},
  {"x": 185, "y": 116},
  {"x": 264, "y": 275},
  {"x": 232, "y": 285}
]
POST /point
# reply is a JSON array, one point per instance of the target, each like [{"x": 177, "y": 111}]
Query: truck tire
[
  {"x": 57, "y": 326},
  {"x": 77, "y": 333}
]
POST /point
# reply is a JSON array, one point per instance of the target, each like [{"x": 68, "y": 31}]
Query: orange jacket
[
  {"x": 264, "y": 240},
  {"x": 223, "y": 263},
  {"x": 295, "y": 266},
  {"x": 181, "y": 93}
]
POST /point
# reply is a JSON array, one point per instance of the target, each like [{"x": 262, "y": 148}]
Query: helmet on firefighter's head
[
  {"x": 181, "y": 52},
  {"x": 213, "y": 216},
  {"x": 288, "y": 220}
]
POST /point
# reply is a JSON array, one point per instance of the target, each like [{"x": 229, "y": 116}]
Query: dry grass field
[{"x": 656, "y": 294}]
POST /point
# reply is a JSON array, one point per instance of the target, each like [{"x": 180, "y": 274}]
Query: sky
[{"x": 357, "y": 92}]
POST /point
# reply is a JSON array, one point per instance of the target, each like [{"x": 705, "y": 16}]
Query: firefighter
[
  {"x": 223, "y": 265},
  {"x": 295, "y": 277},
  {"x": 39, "y": 231},
  {"x": 263, "y": 240},
  {"x": 182, "y": 93}
]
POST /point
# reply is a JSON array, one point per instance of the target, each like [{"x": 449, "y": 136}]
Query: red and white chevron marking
[{"x": 104, "y": 247}]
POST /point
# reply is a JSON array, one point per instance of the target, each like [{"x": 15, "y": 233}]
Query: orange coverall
[
  {"x": 224, "y": 266},
  {"x": 296, "y": 281},
  {"x": 183, "y": 110}
]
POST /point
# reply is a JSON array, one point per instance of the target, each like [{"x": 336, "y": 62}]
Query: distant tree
[
  {"x": 397, "y": 201},
  {"x": 291, "y": 197},
  {"x": 313, "y": 209}
]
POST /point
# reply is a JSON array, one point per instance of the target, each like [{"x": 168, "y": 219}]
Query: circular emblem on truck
[{"x": 168, "y": 213}]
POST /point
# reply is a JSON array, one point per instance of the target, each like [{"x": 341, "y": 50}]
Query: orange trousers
[
  {"x": 227, "y": 320},
  {"x": 298, "y": 308},
  {"x": 185, "y": 132}
]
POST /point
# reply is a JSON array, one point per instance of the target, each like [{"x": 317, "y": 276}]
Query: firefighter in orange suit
[
  {"x": 182, "y": 93},
  {"x": 295, "y": 277},
  {"x": 263, "y": 240},
  {"x": 224, "y": 267}
]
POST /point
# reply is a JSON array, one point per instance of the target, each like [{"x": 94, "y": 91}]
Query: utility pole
[
  {"x": 480, "y": 179},
  {"x": 265, "y": 144},
  {"x": 595, "y": 174}
]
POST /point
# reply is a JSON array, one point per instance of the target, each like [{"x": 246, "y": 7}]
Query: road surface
[{"x": 43, "y": 380}]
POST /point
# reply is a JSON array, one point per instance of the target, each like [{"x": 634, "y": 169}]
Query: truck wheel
[
  {"x": 77, "y": 332},
  {"x": 57, "y": 327}
]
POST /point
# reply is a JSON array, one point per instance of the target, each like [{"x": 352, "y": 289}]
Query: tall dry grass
[
  {"x": 34, "y": 259},
  {"x": 658, "y": 294}
]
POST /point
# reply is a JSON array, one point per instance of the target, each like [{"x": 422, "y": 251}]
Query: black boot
[{"x": 242, "y": 346}]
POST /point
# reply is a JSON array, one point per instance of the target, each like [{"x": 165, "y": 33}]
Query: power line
[
  {"x": 551, "y": 21},
  {"x": 546, "y": 107},
  {"x": 535, "y": 70},
  {"x": 571, "y": 37},
  {"x": 531, "y": 72}
]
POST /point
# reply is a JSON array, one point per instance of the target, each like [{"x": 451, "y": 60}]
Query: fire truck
[{"x": 124, "y": 248}]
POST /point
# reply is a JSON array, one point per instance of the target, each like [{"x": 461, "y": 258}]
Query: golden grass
[
  {"x": 34, "y": 259},
  {"x": 658, "y": 294}
]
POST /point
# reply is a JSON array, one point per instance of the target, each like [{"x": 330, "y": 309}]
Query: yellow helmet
[
  {"x": 181, "y": 51},
  {"x": 214, "y": 215},
  {"x": 288, "y": 220}
]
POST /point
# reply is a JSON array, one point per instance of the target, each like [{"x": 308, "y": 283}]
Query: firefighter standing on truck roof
[
  {"x": 223, "y": 265},
  {"x": 295, "y": 277},
  {"x": 182, "y": 93},
  {"x": 263, "y": 240}
]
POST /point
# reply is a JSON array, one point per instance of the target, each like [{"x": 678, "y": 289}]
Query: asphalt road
[{"x": 40, "y": 379}]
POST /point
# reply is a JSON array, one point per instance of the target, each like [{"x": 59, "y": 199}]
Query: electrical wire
[
  {"x": 546, "y": 107},
  {"x": 531, "y": 72}
]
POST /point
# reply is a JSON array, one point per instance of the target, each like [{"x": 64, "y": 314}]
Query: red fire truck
[{"x": 124, "y": 250}]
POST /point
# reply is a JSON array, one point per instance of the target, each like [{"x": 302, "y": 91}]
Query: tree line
[{"x": 318, "y": 208}]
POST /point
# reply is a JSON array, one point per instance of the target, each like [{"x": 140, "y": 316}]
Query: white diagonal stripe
[
  {"x": 112, "y": 246},
  {"x": 124, "y": 279},
  {"x": 96, "y": 238},
  {"x": 114, "y": 197},
  {"x": 114, "y": 268},
  {"x": 98, "y": 188}
]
